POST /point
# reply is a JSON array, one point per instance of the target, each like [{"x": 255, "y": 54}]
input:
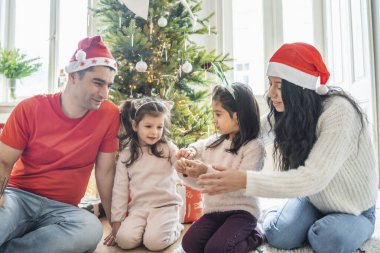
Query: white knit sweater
[
  {"x": 150, "y": 182},
  {"x": 339, "y": 175},
  {"x": 249, "y": 157}
]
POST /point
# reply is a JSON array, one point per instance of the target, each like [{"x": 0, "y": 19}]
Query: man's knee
[{"x": 90, "y": 233}]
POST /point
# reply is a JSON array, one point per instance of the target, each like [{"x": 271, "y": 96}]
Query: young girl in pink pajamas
[
  {"x": 229, "y": 220},
  {"x": 145, "y": 175}
]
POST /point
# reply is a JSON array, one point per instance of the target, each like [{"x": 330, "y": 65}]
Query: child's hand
[
  {"x": 188, "y": 153},
  {"x": 180, "y": 166},
  {"x": 195, "y": 168},
  {"x": 110, "y": 240},
  {"x": 192, "y": 168}
]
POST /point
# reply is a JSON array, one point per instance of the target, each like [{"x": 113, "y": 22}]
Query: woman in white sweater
[{"x": 325, "y": 157}]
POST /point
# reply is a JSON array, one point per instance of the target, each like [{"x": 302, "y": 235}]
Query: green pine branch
[{"x": 165, "y": 50}]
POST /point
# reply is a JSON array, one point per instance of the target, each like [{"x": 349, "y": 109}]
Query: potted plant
[{"x": 15, "y": 65}]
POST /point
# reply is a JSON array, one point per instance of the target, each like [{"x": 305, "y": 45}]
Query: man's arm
[
  {"x": 104, "y": 174},
  {"x": 8, "y": 156}
]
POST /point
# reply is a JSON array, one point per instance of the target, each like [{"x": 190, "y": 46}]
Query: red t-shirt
[{"x": 58, "y": 152}]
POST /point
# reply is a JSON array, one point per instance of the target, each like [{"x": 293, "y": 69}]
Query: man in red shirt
[{"x": 48, "y": 148}]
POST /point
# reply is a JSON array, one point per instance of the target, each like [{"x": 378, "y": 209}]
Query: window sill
[{"x": 7, "y": 107}]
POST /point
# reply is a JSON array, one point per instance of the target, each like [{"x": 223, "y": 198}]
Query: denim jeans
[
  {"x": 299, "y": 222},
  {"x": 31, "y": 223}
]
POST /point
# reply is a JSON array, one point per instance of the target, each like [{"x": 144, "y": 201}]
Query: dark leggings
[{"x": 231, "y": 231}]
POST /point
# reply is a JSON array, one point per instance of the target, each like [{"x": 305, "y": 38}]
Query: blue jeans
[
  {"x": 299, "y": 222},
  {"x": 31, "y": 223}
]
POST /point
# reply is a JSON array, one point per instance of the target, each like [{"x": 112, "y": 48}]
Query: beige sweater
[
  {"x": 151, "y": 180},
  {"x": 339, "y": 175},
  {"x": 249, "y": 157}
]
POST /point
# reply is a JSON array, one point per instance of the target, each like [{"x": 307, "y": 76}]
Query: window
[
  {"x": 247, "y": 39},
  {"x": 259, "y": 27},
  {"x": 49, "y": 29},
  {"x": 297, "y": 16},
  {"x": 34, "y": 42}
]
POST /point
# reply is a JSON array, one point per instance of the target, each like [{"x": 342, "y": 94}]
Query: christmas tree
[{"x": 157, "y": 57}]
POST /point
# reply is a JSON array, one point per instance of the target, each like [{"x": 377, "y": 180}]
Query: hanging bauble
[
  {"x": 187, "y": 67},
  {"x": 141, "y": 66},
  {"x": 162, "y": 22}
]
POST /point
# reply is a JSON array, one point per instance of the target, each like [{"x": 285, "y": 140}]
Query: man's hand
[
  {"x": 223, "y": 181},
  {"x": 1, "y": 201}
]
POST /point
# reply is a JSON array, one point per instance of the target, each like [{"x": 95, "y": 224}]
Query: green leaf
[{"x": 14, "y": 64}]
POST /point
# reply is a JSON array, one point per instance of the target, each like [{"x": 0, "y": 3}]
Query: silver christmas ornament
[
  {"x": 162, "y": 22},
  {"x": 141, "y": 66},
  {"x": 187, "y": 67}
]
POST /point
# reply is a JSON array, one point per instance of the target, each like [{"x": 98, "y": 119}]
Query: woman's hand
[
  {"x": 223, "y": 181},
  {"x": 110, "y": 240}
]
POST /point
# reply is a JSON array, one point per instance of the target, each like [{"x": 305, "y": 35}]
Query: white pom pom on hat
[
  {"x": 91, "y": 52},
  {"x": 322, "y": 89},
  {"x": 301, "y": 64},
  {"x": 80, "y": 55}
]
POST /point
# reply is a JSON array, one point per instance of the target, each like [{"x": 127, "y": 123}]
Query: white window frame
[
  {"x": 7, "y": 35},
  {"x": 273, "y": 29}
]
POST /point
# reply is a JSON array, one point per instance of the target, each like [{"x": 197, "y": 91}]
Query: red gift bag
[{"x": 192, "y": 208}]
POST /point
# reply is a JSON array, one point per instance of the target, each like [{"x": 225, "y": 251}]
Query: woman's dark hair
[
  {"x": 243, "y": 102},
  {"x": 136, "y": 110},
  {"x": 295, "y": 128}
]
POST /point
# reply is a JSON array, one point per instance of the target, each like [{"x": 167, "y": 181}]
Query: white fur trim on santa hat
[
  {"x": 75, "y": 66},
  {"x": 292, "y": 75}
]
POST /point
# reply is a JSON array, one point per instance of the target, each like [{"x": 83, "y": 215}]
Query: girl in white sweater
[
  {"x": 145, "y": 180},
  {"x": 229, "y": 220},
  {"x": 323, "y": 149}
]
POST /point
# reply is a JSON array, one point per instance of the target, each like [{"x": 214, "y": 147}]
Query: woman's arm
[{"x": 339, "y": 128}]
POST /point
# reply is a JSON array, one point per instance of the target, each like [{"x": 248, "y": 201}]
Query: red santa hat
[
  {"x": 91, "y": 52},
  {"x": 301, "y": 64}
]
